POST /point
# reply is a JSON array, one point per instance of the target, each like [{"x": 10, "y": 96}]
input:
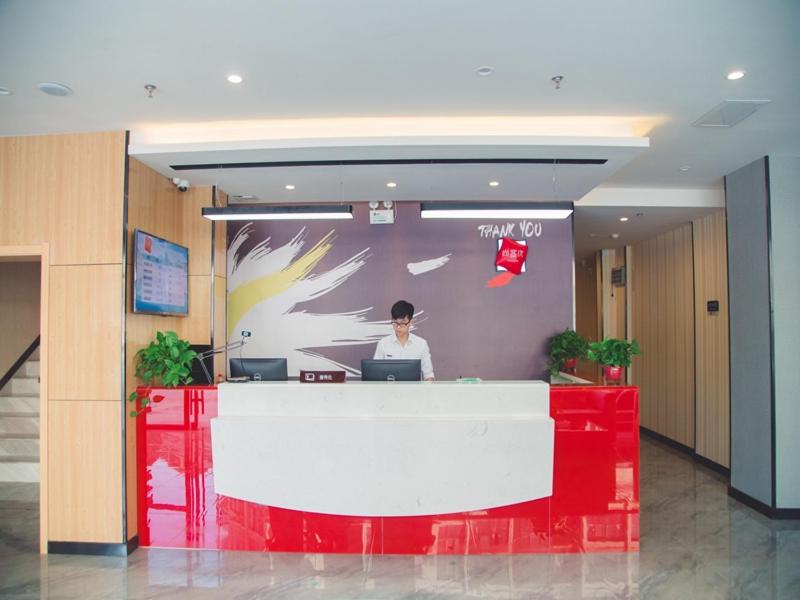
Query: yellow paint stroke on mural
[{"x": 246, "y": 296}]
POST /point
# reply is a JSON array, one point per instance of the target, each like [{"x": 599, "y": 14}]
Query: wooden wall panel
[
  {"x": 586, "y": 321},
  {"x": 221, "y": 239},
  {"x": 85, "y": 471},
  {"x": 196, "y": 229},
  {"x": 152, "y": 205},
  {"x": 712, "y": 361},
  {"x": 85, "y": 332},
  {"x": 66, "y": 190},
  {"x": 663, "y": 323},
  {"x": 220, "y": 326},
  {"x": 19, "y": 309},
  {"x": 197, "y": 326}
]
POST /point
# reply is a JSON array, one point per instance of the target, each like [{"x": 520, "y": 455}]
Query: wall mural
[{"x": 319, "y": 293}]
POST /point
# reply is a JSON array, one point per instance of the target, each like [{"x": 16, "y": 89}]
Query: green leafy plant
[
  {"x": 164, "y": 362},
  {"x": 613, "y": 352},
  {"x": 565, "y": 345}
]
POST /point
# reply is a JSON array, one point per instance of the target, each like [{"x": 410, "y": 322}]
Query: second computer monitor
[
  {"x": 391, "y": 369},
  {"x": 259, "y": 369}
]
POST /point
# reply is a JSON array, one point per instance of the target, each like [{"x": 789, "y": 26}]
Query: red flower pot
[
  {"x": 569, "y": 364},
  {"x": 612, "y": 374}
]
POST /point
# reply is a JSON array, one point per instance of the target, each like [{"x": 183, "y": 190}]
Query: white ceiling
[{"x": 660, "y": 65}]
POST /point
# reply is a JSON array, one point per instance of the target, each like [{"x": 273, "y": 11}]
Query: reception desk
[
  {"x": 391, "y": 468},
  {"x": 382, "y": 449}
]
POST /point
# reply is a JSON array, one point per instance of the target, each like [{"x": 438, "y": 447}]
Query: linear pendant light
[
  {"x": 496, "y": 210},
  {"x": 278, "y": 213}
]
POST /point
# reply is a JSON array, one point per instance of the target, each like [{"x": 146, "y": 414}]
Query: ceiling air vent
[{"x": 729, "y": 113}]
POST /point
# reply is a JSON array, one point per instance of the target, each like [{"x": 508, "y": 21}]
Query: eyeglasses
[{"x": 401, "y": 323}]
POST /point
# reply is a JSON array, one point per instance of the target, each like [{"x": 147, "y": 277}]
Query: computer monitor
[
  {"x": 391, "y": 369},
  {"x": 259, "y": 369}
]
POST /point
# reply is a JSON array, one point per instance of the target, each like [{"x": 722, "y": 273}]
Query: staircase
[{"x": 19, "y": 424}]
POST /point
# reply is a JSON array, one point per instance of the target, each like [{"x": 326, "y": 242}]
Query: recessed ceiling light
[
  {"x": 289, "y": 186},
  {"x": 234, "y": 78},
  {"x": 685, "y": 168},
  {"x": 494, "y": 183},
  {"x": 5, "y": 91},
  {"x": 391, "y": 184},
  {"x": 484, "y": 71},
  {"x": 623, "y": 219},
  {"x": 614, "y": 236},
  {"x": 734, "y": 75},
  {"x": 592, "y": 235},
  {"x": 54, "y": 89}
]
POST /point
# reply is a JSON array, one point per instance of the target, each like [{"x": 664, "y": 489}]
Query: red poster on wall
[{"x": 511, "y": 256}]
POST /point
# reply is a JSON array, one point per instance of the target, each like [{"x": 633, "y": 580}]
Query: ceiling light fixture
[
  {"x": 497, "y": 210},
  {"x": 278, "y": 213},
  {"x": 234, "y": 78},
  {"x": 557, "y": 79},
  {"x": 685, "y": 168},
  {"x": 484, "y": 71},
  {"x": 52, "y": 88},
  {"x": 734, "y": 75},
  {"x": 391, "y": 184},
  {"x": 5, "y": 91},
  {"x": 623, "y": 219},
  {"x": 150, "y": 88},
  {"x": 494, "y": 183},
  {"x": 289, "y": 186},
  {"x": 614, "y": 236}
]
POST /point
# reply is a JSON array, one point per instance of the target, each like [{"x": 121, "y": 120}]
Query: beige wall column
[{"x": 68, "y": 191}]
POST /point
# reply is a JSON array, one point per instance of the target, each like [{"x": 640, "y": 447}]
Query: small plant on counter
[
  {"x": 565, "y": 346},
  {"x": 612, "y": 352},
  {"x": 165, "y": 362}
]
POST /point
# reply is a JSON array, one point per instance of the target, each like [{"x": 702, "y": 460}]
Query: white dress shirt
[{"x": 416, "y": 347}]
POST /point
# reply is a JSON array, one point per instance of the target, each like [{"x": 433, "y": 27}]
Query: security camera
[{"x": 181, "y": 184}]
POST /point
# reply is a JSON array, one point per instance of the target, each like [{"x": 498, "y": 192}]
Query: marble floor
[{"x": 696, "y": 542}]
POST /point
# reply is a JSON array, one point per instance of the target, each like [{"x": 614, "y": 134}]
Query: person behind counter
[{"x": 404, "y": 344}]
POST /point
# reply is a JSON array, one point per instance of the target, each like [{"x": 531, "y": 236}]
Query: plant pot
[
  {"x": 612, "y": 374},
  {"x": 569, "y": 364}
]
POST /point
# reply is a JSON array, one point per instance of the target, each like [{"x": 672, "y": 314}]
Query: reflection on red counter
[{"x": 594, "y": 506}]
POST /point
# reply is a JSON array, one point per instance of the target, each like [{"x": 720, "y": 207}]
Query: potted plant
[
  {"x": 564, "y": 349},
  {"x": 613, "y": 354},
  {"x": 164, "y": 362}
]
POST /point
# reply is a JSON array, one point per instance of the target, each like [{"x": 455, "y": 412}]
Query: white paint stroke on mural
[
  {"x": 424, "y": 266},
  {"x": 281, "y": 331}
]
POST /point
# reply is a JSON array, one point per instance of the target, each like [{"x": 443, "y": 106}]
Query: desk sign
[{"x": 322, "y": 376}]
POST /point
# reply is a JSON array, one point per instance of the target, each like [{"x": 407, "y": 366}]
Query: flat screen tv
[{"x": 160, "y": 276}]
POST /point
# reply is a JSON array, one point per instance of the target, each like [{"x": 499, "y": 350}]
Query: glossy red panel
[{"x": 594, "y": 506}]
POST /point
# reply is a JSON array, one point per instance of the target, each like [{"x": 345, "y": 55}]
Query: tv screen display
[{"x": 160, "y": 276}]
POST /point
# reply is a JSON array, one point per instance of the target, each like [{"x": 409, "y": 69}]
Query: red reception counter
[{"x": 592, "y": 504}]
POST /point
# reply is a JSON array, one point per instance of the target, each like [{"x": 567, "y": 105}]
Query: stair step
[
  {"x": 19, "y": 447},
  {"x": 19, "y": 425},
  {"x": 19, "y": 436},
  {"x": 19, "y": 459},
  {"x": 24, "y": 385},
  {"x": 19, "y": 404},
  {"x": 31, "y": 368},
  {"x": 19, "y": 471}
]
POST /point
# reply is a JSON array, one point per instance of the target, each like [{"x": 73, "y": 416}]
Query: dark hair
[{"x": 401, "y": 309}]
